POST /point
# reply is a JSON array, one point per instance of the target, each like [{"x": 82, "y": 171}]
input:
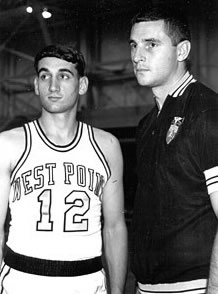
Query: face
[
  {"x": 58, "y": 85},
  {"x": 153, "y": 56}
]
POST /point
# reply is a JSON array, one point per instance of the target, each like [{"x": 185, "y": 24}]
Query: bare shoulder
[
  {"x": 12, "y": 136},
  {"x": 12, "y": 144},
  {"x": 109, "y": 145},
  {"x": 106, "y": 140}
]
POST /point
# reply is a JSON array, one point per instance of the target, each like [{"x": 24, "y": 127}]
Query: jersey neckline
[{"x": 54, "y": 146}]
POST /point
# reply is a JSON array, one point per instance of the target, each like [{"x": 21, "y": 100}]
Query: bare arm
[
  {"x": 11, "y": 147},
  {"x": 5, "y": 166},
  {"x": 114, "y": 231},
  {"x": 213, "y": 280}
]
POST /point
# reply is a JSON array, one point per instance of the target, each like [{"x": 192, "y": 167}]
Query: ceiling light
[
  {"x": 29, "y": 9},
  {"x": 46, "y": 13}
]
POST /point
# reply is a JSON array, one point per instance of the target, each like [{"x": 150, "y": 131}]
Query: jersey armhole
[
  {"x": 24, "y": 155},
  {"x": 98, "y": 151}
]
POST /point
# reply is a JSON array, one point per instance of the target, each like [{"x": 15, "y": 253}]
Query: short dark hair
[
  {"x": 65, "y": 52},
  {"x": 176, "y": 24}
]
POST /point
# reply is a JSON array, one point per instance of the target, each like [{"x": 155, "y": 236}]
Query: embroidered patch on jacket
[{"x": 174, "y": 128}]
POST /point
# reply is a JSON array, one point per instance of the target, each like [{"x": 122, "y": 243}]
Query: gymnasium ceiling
[
  {"x": 13, "y": 16},
  {"x": 13, "y": 12}
]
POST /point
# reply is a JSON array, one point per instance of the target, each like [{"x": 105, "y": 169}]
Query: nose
[
  {"x": 54, "y": 85},
  {"x": 138, "y": 54}
]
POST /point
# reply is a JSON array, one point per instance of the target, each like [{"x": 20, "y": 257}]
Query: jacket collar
[{"x": 182, "y": 84}]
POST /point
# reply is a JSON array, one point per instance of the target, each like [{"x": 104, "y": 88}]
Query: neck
[{"x": 60, "y": 129}]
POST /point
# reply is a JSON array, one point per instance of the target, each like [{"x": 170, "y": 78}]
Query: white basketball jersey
[{"x": 56, "y": 196}]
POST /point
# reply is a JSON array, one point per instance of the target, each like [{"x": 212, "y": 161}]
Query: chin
[
  {"x": 143, "y": 79},
  {"x": 143, "y": 82}
]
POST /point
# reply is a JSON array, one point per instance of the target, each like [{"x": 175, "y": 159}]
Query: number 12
[{"x": 73, "y": 217}]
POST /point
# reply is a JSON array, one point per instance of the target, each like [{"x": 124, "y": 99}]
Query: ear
[
  {"x": 183, "y": 50},
  {"x": 36, "y": 85},
  {"x": 83, "y": 85}
]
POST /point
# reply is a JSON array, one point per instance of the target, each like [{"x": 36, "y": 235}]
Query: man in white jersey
[{"x": 60, "y": 177}]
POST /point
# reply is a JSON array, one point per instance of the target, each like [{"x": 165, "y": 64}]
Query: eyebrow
[
  {"x": 60, "y": 70},
  {"x": 145, "y": 40},
  {"x": 151, "y": 40}
]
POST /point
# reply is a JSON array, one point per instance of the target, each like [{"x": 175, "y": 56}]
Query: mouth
[
  {"x": 54, "y": 98},
  {"x": 138, "y": 70},
  {"x": 141, "y": 71}
]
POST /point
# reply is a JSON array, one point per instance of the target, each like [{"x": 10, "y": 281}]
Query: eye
[
  {"x": 63, "y": 76},
  {"x": 44, "y": 76},
  {"x": 153, "y": 44},
  {"x": 132, "y": 45},
  {"x": 150, "y": 44}
]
